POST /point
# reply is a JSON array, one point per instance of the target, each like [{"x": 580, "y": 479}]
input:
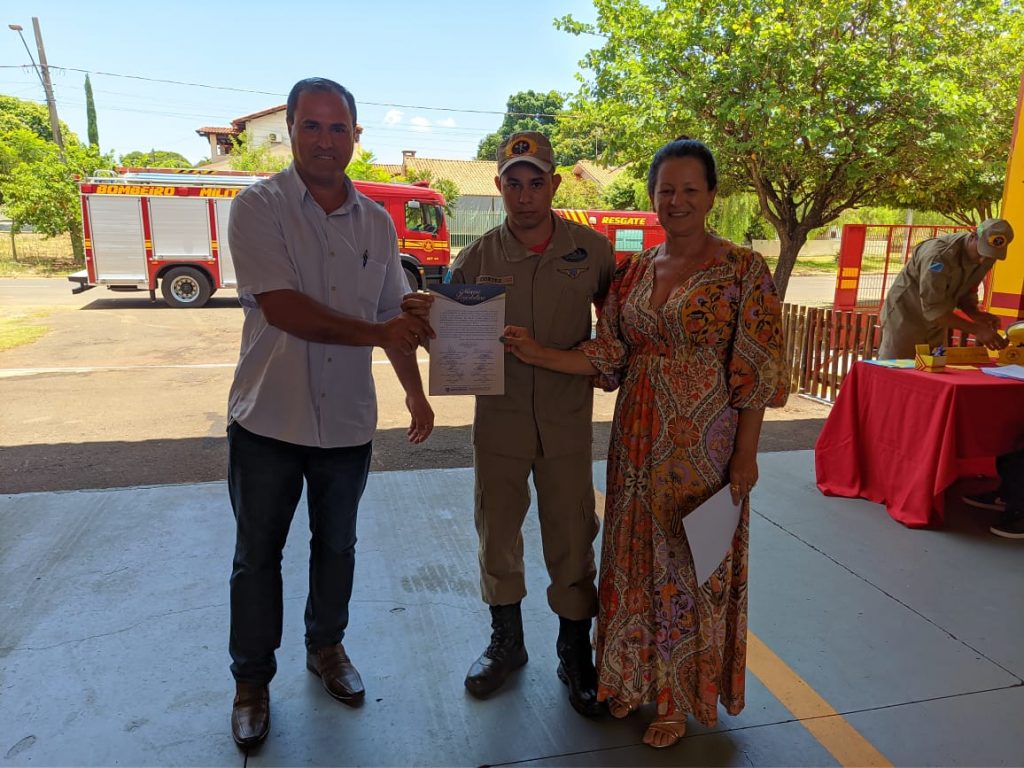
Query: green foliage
[
  {"x": 524, "y": 111},
  {"x": 245, "y": 156},
  {"x": 155, "y": 158},
  {"x": 576, "y": 193},
  {"x": 815, "y": 107},
  {"x": 488, "y": 149},
  {"x": 37, "y": 185},
  {"x": 572, "y": 136},
  {"x": 881, "y": 215},
  {"x": 450, "y": 190},
  {"x": 17, "y": 113},
  {"x": 738, "y": 218},
  {"x": 90, "y": 114},
  {"x": 625, "y": 194},
  {"x": 21, "y": 329},
  {"x": 362, "y": 167},
  {"x": 446, "y": 187}
]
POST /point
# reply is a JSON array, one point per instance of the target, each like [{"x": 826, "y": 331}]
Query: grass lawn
[
  {"x": 37, "y": 256},
  {"x": 21, "y": 328},
  {"x": 812, "y": 265}
]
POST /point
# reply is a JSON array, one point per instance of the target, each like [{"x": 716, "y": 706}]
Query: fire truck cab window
[
  {"x": 629, "y": 240},
  {"x": 422, "y": 217}
]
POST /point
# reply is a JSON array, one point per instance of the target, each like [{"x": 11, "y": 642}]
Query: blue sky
[{"x": 402, "y": 60}]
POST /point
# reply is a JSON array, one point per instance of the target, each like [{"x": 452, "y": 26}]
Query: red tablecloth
[{"x": 900, "y": 437}]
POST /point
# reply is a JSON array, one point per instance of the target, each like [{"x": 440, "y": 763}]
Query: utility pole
[{"x": 51, "y": 103}]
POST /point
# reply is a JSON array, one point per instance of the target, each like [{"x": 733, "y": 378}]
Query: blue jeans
[{"x": 265, "y": 479}]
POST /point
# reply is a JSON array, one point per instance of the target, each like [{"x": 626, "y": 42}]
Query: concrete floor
[{"x": 114, "y": 630}]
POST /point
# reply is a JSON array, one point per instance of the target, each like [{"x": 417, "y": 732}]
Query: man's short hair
[{"x": 323, "y": 85}]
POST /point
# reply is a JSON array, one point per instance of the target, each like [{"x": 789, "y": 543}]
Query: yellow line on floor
[{"x": 815, "y": 714}]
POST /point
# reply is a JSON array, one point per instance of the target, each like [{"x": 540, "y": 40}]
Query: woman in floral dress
[{"x": 691, "y": 335}]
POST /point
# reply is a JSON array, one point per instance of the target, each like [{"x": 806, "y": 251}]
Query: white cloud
[
  {"x": 420, "y": 124},
  {"x": 448, "y": 122},
  {"x": 393, "y": 117}
]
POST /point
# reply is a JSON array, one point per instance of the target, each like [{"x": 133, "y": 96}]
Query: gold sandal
[
  {"x": 672, "y": 726},
  {"x": 618, "y": 709}
]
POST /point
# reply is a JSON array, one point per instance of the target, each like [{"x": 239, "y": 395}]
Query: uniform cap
[
  {"x": 993, "y": 237},
  {"x": 526, "y": 147}
]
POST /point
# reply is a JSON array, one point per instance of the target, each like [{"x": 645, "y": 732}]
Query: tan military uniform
[
  {"x": 543, "y": 422},
  {"x": 939, "y": 277}
]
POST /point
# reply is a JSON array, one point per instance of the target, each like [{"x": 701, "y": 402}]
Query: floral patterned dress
[{"x": 685, "y": 370}]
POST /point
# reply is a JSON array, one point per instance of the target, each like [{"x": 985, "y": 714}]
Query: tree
[
  {"x": 626, "y": 194},
  {"x": 90, "y": 114},
  {"x": 526, "y": 111},
  {"x": 362, "y": 167},
  {"x": 37, "y": 187},
  {"x": 967, "y": 189},
  {"x": 816, "y": 107},
  {"x": 575, "y": 193},
  {"x": 246, "y": 156},
  {"x": 738, "y": 218},
  {"x": 155, "y": 158},
  {"x": 446, "y": 187},
  {"x": 17, "y": 113},
  {"x": 574, "y": 135},
  {"x": 40, "y": 188}
]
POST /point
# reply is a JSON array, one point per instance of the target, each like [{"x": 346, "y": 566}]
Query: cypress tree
[{"x": 90, "y": 114}]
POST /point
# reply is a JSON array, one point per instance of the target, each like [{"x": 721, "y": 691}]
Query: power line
[{"x": 283, "y": 96}]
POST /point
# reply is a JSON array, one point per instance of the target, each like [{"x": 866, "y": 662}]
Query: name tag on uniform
[
  {"x": 495, "y": 280},
  {"x": 573, "y": 272}
]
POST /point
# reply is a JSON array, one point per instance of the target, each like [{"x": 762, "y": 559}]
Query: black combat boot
[
  {"x": 576, "y": 666},
  {"x": 506, "y": 653}
]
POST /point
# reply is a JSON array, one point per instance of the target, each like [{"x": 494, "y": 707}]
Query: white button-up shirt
[{"x": 287, "y": 388}]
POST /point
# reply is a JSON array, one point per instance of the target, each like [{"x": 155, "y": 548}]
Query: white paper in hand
[{"x": 709, "y": 531}]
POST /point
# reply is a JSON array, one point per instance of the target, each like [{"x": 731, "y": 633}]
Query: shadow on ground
[
  {"x": 141, "y": 300},
  {"x": 76, "y": 466}
]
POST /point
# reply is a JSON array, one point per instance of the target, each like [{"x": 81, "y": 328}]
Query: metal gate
[{"x": 870, "y": 257}]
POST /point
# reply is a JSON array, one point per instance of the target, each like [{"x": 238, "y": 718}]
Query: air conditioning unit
[{"x": 273, "y": 138}]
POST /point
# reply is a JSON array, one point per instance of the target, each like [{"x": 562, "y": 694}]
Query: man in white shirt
[{"x": 321, "y": 282}]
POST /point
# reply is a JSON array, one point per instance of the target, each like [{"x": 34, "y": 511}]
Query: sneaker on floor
[
  {"x": 1010, "y": 526},
  {"x": 987, "y": 500}
]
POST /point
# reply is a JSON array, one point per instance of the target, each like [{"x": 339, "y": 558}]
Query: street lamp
[
  {"x": 43, "y": 73},
  {"x": 18, "y": 28}
]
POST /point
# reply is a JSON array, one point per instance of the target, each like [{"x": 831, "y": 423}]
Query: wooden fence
[{"x": 823, "y": 344}]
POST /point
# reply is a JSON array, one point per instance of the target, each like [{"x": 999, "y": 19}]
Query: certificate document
[
  {"x": 466, "y": 356},
  {"x": 709, "y": 530}
]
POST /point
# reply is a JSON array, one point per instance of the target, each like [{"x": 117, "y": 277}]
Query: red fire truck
[
  {"x": 149, "y": 226},
  {"x": 629, "y": 231}
]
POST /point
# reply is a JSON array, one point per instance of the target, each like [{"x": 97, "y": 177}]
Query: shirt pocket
[
  {"x": 573, "y": 318},
  {"x": 371, "y": 282}
]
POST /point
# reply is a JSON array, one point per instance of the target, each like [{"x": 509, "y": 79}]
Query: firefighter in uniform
[
  {"x": 553, "y": 271},
  {"x": 943, "y": 275}
]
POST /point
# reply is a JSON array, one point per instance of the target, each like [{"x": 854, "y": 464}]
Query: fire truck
[
  {"x": 629, "y": 231},
  {"x": 145, "y": 227}
]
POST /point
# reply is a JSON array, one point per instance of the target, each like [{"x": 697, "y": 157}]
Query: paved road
[{"x": 121, "y": 391}]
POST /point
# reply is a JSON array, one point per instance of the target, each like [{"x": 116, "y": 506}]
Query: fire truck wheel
[
  {"x": 414, "y": 283},
  {"x": 185, "y": 287}
]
